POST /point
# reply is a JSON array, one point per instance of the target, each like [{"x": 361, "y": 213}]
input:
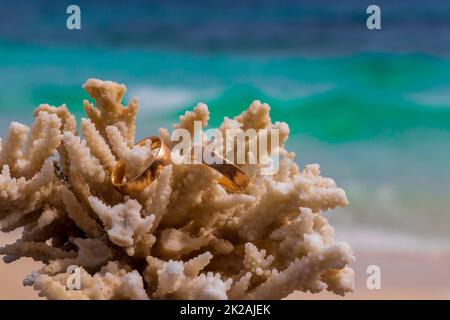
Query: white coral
[
  {"x": 123, "y": 222},
  {"x": 136, "y": 158},
  {"x": 108, "y": 109},
  {"x": 81, "y": 159},
  {"x": 195, "y": 239},
  {"x": 159, "y": 195},
  {"x": 12, "y": 147},
  {"x": 25, "y": 150},
  {"x": 97, "y": 145},
  {"x": 200, "y": 113},
  {"x": 177, "y": 279},
  {"x": 111, "y": 282},
  {"x": 20, "y": 197}
]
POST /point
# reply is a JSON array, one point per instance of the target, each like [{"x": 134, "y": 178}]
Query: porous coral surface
[{"x": 184, "y": 236}]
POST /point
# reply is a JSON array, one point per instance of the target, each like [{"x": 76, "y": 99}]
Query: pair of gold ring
[{"x": 233, "y": 178}]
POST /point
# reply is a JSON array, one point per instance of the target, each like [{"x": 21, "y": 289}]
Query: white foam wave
[
  {"x": 161, "y": 99},
  {"x": 438, "y": 98},
  {"x": 392, "y": 241},
  {"x": 287, "y": 90}
]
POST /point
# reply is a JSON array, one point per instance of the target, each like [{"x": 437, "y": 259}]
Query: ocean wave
[
  {"x": 438, "y": 97},
  {"x": 351, "y": 98},
  {"x": 363, "y": 238},
  {"x": 289, "y": 90},
  {"x": 161, "y": 99}
]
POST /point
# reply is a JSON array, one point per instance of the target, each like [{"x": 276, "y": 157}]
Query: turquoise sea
[{"x": 372, "y": 108}]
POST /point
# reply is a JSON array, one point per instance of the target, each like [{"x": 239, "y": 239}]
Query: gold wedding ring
[
  {"x": 233, "y": 179},
  {"x": 148, "y": 174}
]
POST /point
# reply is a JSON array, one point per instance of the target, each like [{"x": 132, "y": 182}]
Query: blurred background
[{"x": 372, "y": 107}]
